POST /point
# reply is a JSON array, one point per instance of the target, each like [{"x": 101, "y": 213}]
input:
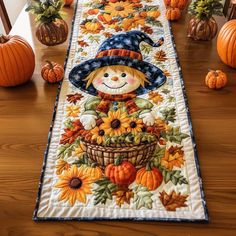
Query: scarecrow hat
[{"x": 121, "y": 49}]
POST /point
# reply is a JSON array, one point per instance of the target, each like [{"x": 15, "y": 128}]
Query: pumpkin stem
[
  {"x": 94, "y": 164},
  {"x": 3, "y": 38},
  {"x": 50, "y": 63},
  {"x": 149, "y": 166},
  {"x": 118, "y": 160}
]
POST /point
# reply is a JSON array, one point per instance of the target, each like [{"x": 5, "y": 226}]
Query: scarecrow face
[{"x": 119, "y": 81}]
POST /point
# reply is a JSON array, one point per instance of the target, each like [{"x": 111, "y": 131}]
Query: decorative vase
[
  {"x": 52, "y": 33},
  {"x": 202, "y": 29}
]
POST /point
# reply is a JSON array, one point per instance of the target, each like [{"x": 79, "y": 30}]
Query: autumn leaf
[
  {"x": 123, "y": 196},
  {"x": 73, "y": 98},
  {"x": 173, "y": 200},
  {"x": 147, "y": 29},
  {"x": 61, "y": 166},
  {"x": 160, "y": 56},
  {"x": 155, "y": 97},
  {"x": 72, "y": 110},
  {"x": 174, "y": 156},
  {"x": 82, "y": 43},
  {"x": 107, "y": 34}
]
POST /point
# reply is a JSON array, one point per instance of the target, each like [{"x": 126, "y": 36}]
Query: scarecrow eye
[
  {"x": 123, "y": 75},
  {"x": 106, "y": 75}
]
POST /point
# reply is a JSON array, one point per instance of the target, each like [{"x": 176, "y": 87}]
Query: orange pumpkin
[
  {"x": 92, "y": 27},
  {"x": 176, "y": 3},
  {"x": 52, "y": 33},
  {"x": 93, "y": 171},
  {"x": 121, "y": 172},
  {"x": 67, "y": 3},
  {"x": 153, "y": 14},
  {"x": 150, "y": 178},
  {"x": 226, "y": 45},
  {"x": 216, "y": 79},
  {"x": 52, "y": 72},
  {"x": 173, "y": 14},
  {"x": 17, "y": 61},
  {"x": 93, "y": 11}
]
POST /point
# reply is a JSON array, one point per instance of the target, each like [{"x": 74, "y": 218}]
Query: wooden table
[{"x": 26, "y": 113}]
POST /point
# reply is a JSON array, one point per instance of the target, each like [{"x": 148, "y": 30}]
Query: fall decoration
[
  {"x": 74, "y": 98},
  {"x": 121, "y": 172},
  {"x": 216, "y": 79},
  {"x": 149, "y": 177},
  {"x": 226, "y": 45},
  {"x": 74, "y": 185},
  {"x": 176, "y": 3},
  {"x": 203, "y": 26},
  {"x": 52, "y": 29},
  {"x": 61, "y": 166},
  {"x": 93, "y": 171},
  {"x": 174, "y": 156},
  {"x": 160, "y": 56},
  {"x": 91, "y": 27},
  {"x": 67, "y": 3},
  {"x": 173, "y": 200},
  {"x": 142, "y": 197},
  {"x": 52, "y": 72},
  {"x": 17, "y": 60},
  {"x": 123, "y": 195},
  {"x": 104, "y": 190},
  {"x": 173, "y": 14}
]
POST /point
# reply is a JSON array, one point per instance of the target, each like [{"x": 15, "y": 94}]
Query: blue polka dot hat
[{"x": 121, "y": 49}]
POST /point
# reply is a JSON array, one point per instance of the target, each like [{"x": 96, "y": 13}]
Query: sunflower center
[
  {"x": 75, "y": 183},
  {"x": 119, "y": 8},
  {"x": 115, "y": 124},
  {"x": 101, "y": 132},
  {"x": 133, "y": 124}
]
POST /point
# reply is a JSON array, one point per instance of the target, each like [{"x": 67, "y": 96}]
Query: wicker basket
[{"x": 138, "y": 155}]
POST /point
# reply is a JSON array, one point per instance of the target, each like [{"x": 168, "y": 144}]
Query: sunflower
[
  {"x": 74, "y": 185},
  {"x": 98, "y": 135},
  {"x": 174, "y": 156},
  {"x": 135, "y": 125},
  {"x": 115, "y": 124},
  {"x": 122, "y": 9},
  {"x": 72, "y": 110}
]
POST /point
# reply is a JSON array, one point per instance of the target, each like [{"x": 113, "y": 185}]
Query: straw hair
[{"x": 135, "y": 73}]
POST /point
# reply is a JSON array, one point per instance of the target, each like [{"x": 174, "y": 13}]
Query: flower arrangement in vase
[
  {"x": 52, "y": 29},
  {"x": 203, "y": 26}
]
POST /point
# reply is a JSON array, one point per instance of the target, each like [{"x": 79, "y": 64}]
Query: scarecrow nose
[{"x": 114, "y": 78}]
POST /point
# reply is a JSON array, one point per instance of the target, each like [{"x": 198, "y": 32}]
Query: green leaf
[
  {"x": 169, "y": 114},
  {"x": 104, "y": 190},
  {"x": 142, "y": 197},
  {"x": 158, "y": 154},
  {"x": 174, "y": 135},
  {"x": 174, "y": 176},
  {"x": 146, "y": 48},
  {"x": 165, "y": 91},
  {"x": 67, "y": 149}
]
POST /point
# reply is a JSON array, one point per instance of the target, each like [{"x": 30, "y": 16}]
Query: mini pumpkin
[
  {"x": 173, "y": 14},
  {"x": 17, "y": 61},
  {"x": 93, "y": 11},
  {"x": 226, "y": 45},
  {"x": 52, "y": 72},
  {"x": 216, "y": 79},
  {"x": 176, "y": 3},
  {"x": 150, "y": 178},
  {"x": 153, "y": 14},
  {"x": 121, "y": 172},
  {"x": 93, "y": 171},
  {"x": 92, "y": 27}
]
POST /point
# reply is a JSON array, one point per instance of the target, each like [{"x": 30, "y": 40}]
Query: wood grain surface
[{"x": 25, "y": 116}]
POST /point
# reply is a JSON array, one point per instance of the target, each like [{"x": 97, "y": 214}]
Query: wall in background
[{"x": 13, "y": 8}]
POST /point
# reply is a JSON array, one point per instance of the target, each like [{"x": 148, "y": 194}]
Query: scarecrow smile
[{"x": 115, "y": 87}]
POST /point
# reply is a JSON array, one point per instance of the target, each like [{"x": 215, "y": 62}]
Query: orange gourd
[
  {"x": 150, "y": 178},
  {"x": 176, "y": 3},
  {"x": 52, "y": 72},
  {"x": 93, "y": 11},
  {"x": 226, "y": 45},
  {"x": 121, "y": 172},
  {"x": 173, "y": 14},
  {"x": 216, "y": 79},
  {"x": 153, "y": 14},
  {"x": 67, "y": 3},
  {"x": 17, "y": 61}
]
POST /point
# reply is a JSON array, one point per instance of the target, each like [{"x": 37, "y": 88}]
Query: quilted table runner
[{"x": 121, "y": 143}]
